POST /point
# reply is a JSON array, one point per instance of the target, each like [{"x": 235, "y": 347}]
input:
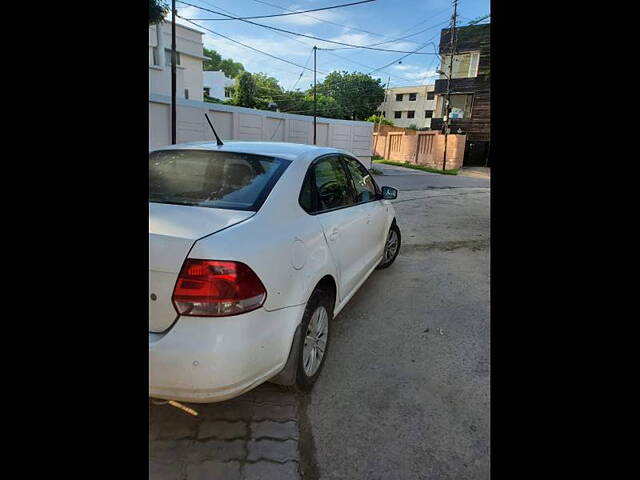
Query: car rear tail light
[{"x": 212, "y": 288}]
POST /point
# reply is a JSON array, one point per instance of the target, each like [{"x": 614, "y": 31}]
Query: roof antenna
[{"x": 218, "y": 141}]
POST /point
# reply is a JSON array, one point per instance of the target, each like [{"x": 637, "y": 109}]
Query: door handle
[
  {"x": 335, "y": 233},
  {"x": 368, "y": 218}
]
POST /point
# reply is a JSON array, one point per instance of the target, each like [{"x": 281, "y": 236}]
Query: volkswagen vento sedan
[{"x": 254, "y": 247}]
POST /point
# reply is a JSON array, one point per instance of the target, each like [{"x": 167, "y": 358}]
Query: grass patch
[{"x": 414, "y": 166}]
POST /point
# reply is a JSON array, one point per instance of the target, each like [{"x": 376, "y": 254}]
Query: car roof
[{"x": 288, "y": 151}]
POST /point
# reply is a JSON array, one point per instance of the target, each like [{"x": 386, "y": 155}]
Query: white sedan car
[{"x": 254, "y": 247}]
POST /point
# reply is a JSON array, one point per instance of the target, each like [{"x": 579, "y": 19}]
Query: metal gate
[
  {"x": 425, "y": 148},
  {"x": 394, "y": 148}
]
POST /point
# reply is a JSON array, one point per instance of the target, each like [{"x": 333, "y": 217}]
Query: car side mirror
[{"x": 389, "y": 193}]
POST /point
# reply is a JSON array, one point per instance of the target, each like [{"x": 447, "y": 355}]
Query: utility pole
[
  {"x": 384, "y": 104},
  {"x": 173, "y": 72},
  {"x": 448, "y": 101},
  {"x": 315, "y": 49}
]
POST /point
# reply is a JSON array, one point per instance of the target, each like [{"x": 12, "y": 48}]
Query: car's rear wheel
[
  {"x": 314, "y": 340},
  {"x": 391, "y": 247}
]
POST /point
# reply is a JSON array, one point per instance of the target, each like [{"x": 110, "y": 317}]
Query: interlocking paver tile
[
  {"x": 168, "y": 451},
  {"x": 165, "y": 471},
  {"x": 271, "y": 471},
  {"x": 275, "y": 412},
  {"x": 214, "y": 444},
  {"x": 212, "y": 470},
  {"x": 218, "y": 450},
  {"x": 222, "y": 429},
  {"x": 268, "y": 428},
  {"x": 276, "y": 450}
]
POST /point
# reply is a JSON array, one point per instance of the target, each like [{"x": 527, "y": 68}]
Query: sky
[{"x": 364, "y": 24}]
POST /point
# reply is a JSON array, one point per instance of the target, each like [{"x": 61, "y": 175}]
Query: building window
[
  {"x": 156, "y": 59},
  {"x": 428, "y": 113},
  {"x": 430, "y": 95},
  {"x": 167, "y": 57},
  {"x": 399, "y": 98},
  {"x": 384, "y": 114},
  {"x": 228, "y": 92},
  {"x": 465, "y": 65},
  {"x": 397, "y": 114},
  {"x": 186, "y": 93},
  {"x": 411, "y": 114},
  {"x": 207, "y": 91},
  {"x": 461, "y": 106},
  {"x": 412, "y": 97}
]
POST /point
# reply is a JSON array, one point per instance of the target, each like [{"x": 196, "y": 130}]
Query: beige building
[
  {"x": 189, "y": 48},
  {"x": 406, "y": 106}
]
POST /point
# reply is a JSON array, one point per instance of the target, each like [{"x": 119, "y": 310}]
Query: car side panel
[{"x": 282, "y": 244}]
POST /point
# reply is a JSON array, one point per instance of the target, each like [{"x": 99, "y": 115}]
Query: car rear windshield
[{"x": 235, "y": 181}]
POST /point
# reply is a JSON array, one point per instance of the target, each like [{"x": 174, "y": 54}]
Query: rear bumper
[{"x": 214, "y": 359}]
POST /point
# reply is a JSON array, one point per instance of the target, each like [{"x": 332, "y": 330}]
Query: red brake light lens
[{"x": 213, "y": 288}]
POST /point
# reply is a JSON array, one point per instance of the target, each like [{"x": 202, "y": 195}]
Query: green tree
[
  {"x": 213, "y": 62},
  {"x": 292, "y": 101},
  {"x": 358, "y": 94},
  {"x": 301, "y": 103},
  {"x": 157, "y": 11},
  {"x": 267, "y": 90},
  {"x": 380, "y": 120},
  {"x": 326, "y": 106},
  {"x": 245, "y": 91},
  {"x": 230, "y": 68}
]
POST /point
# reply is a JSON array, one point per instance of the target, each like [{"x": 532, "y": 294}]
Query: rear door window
[{"x": 235, "y": 181}]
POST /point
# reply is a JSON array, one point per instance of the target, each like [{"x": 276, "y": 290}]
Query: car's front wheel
[
  {"x": 391, "y": 247},
  {"x": 314, "y": 340}
]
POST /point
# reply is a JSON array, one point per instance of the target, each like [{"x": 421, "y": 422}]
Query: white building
[
  {"x": 217, "y": 85},
  {"x": 406, "y": 106},
  {"x": 189, "y": 49}
]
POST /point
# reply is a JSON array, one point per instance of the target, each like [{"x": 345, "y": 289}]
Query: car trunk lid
[{"x": 173, "y": 229}]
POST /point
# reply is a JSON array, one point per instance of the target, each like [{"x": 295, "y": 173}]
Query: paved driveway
[
  {"x": 409, "y": 179},
  {"x": 405, "y": 390}
]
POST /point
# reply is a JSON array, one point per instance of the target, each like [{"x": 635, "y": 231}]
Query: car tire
[
  {"x": 315, "y": 336},
  {"x": 386, "y": 259}
]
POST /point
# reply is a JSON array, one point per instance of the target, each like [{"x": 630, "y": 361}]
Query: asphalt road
[
  {"x": 408, "y": 179},
  {"x": 405, "y": 390}
]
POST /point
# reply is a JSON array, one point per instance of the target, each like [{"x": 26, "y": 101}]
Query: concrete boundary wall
[
  {"x": 239, "y": 123},
  {"x": 423, "y": 148}
]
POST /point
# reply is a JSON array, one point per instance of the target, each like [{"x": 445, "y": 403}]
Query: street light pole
[
  {"x": 173, "y": 72},
  {"x": 314, "y": 93}
]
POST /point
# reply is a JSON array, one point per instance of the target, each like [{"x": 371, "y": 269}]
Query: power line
[
  {"x": 404, "y": 56},
  {"x": 304, "y": 35},
  {"x": 479, "y": 19},
  {"x": 288, "y": 37},
  {"x": 330, "y": 52},
  {"x": 402, "y": 38},
  {"x": 302, "y": 72},
  {"x": 334, "y": 23},
  {"x": 290, "y": 13},
  {"x": 250, "y": 47}
]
